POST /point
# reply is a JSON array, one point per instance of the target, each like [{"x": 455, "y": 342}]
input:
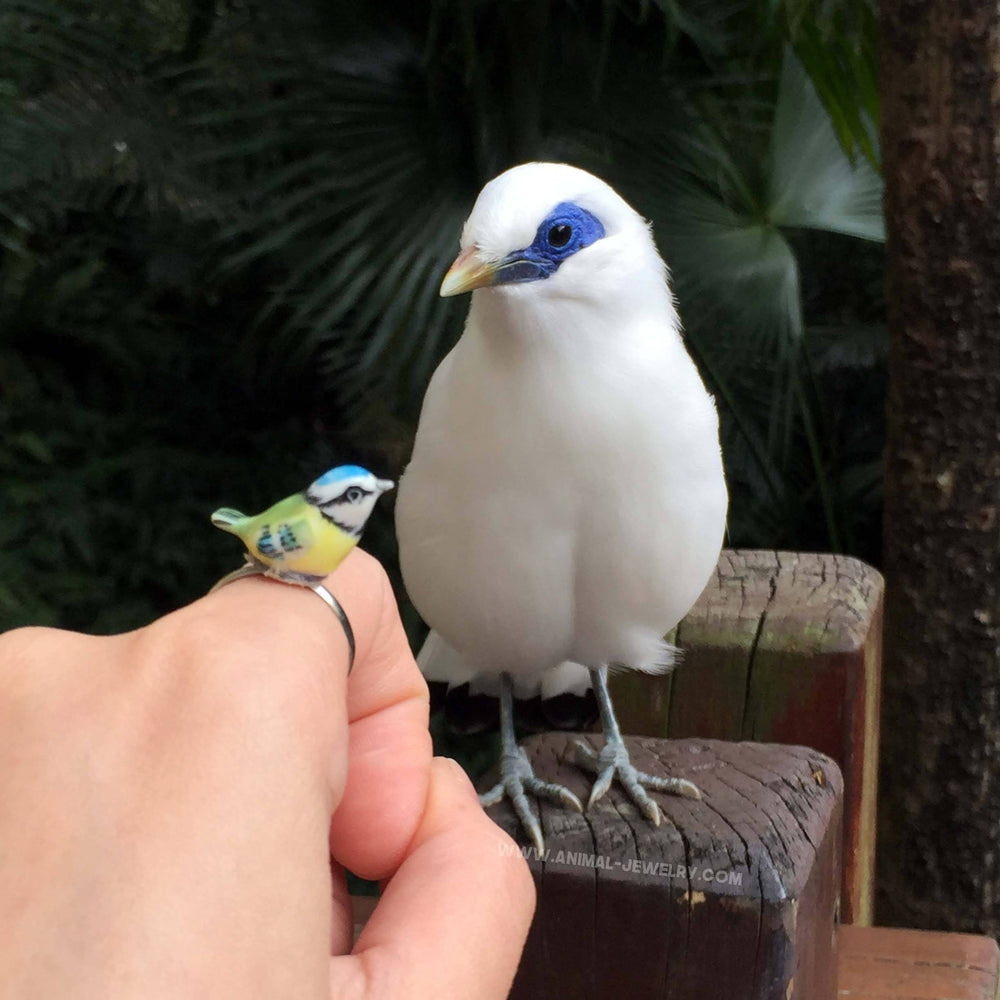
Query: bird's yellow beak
[{"x": 468, "y": 272}]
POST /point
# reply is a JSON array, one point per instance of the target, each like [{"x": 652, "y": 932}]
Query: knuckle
[
  {"x": 251, "y": 672},
  {"x": 33, "y": 670},
  {"x": 23, "y": 644}
]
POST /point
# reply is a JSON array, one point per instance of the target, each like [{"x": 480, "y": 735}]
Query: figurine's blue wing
[{"x": 281, "y": 538}]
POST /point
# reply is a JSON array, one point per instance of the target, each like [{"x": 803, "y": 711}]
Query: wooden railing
[{"x": 782, "y": 648}]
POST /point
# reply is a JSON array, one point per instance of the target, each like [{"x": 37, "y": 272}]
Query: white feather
[
  {"x": 567, "y": 678},
  {"x": 565, "y": 500},
  {"x": 439, "y": 662}
]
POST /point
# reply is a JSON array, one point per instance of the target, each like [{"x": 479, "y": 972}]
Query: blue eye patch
[{"x": 564, "y": 231}]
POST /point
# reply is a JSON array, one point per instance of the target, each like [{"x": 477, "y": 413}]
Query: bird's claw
[
  {"x": 613, "y": 759},
  {"x": 518, "y": 777}
]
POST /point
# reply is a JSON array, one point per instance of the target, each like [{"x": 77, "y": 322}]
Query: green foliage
[
  {"x": 222, "y": 227},
  {"x": 837, "y": 42},
  {"x": 107, "y": 480},
  {"x": 737, "y": 207}
]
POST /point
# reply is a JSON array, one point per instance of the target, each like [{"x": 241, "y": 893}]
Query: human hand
[{"x": 171, "y": 797}]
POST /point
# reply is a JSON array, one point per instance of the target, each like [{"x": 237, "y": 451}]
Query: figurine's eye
[
  {"x": 354, "y": 494},
  {"x": 559, "y": 235}
]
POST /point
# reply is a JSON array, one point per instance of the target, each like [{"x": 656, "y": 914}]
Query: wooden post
[
  {"x": 731, "y": 897},
  {"x": 782, "y": 647}
]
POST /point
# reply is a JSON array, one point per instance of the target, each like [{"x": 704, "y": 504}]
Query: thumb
[{"x": 452, "y": 921}]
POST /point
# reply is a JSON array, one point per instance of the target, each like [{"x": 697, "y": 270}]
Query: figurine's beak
[
  {"x": 384, "y": 485},
  {"x": 468, "y": 272}
]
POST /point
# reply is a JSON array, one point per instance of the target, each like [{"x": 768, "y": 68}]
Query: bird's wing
[
  {"x": 439, "y": 662},
  {"x": 284, "y": 536}
]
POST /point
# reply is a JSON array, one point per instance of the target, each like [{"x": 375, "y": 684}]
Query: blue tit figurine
[{"x": 305, "y": 537}]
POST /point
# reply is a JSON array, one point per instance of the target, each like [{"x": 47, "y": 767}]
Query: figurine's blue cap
[{"x": 341, "y": 472}]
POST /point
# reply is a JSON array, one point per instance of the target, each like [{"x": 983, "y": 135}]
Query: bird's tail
[{"x": 228, "y": 519}]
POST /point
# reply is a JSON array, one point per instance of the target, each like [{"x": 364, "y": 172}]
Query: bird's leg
[
  {"x": 517, "y": 775},
  {"x": 613, "y": 759}
]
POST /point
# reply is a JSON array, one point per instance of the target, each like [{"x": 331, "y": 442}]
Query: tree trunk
[{"x": 939, "y": 834}]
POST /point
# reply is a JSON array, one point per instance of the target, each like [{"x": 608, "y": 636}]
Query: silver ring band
[{"x": 334, "y": 605}]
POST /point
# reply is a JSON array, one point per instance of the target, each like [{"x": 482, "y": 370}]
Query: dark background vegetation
[{"x": 223, "y": 225}]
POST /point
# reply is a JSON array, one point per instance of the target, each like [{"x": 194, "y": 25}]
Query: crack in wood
[{"x": 751, "y": 658}]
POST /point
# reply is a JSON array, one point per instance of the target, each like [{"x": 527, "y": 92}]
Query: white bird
[{"x": 565, "y": 502}]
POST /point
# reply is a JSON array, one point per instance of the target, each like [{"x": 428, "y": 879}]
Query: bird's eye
[
  {"x": 354, "y": 495},
  {"x": 559, "y": 235}
]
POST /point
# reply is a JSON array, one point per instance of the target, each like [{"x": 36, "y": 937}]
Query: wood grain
[
  {"x": 782, "y": 647},
  {"x": 732, "y": 897},
  {"x": 881, "y": 963}
]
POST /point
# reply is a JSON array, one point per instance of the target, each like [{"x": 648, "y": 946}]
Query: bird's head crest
[
  {"x": 346, "y": 495},
  {"x": 542, "y": 221}
]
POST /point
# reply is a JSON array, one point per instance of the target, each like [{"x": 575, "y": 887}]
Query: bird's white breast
[{"x": 563, "y": 501}]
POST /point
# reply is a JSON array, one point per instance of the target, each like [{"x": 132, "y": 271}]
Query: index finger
[{"x": 389, "y": 743}]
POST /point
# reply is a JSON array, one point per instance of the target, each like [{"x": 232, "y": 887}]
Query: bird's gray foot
[
  {"x": 516, "y": 778},
  {"x": 613, "y": 759}
]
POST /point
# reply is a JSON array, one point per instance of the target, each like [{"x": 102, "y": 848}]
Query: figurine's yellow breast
[
  {"x": 295, "y": 537},
  {"x": 329, "y": 547}
]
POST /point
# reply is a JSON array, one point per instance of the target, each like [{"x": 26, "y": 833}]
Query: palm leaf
[
  {"x": 812, "y": 184},
  {"x": 726, "y": 231}
]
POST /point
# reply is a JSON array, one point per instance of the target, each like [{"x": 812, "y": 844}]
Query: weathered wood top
[
  {"x": 760, "y": 607},
  {"x": 735, "y": 893},
  {"x": 764, "y": 809}
]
